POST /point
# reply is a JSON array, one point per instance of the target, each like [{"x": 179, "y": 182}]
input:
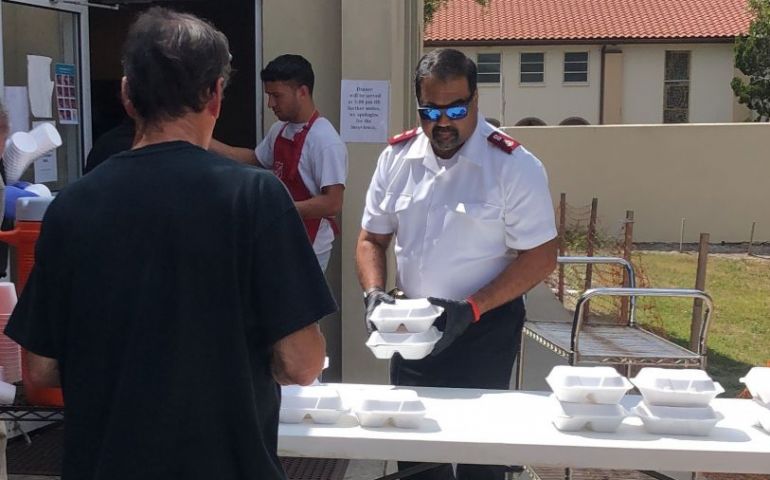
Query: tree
[
  {"x": 432, "y": 6},
  {"x": 752, "y": 58}
]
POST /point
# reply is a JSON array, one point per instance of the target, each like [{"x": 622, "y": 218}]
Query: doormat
[
  {"x": 314, "y": 468},
  {"x": 42, "y": 457}
]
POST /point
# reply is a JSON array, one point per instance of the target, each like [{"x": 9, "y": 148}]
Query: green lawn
[{"x": 739, "y": 337}]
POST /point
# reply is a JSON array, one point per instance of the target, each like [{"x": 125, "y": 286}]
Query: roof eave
[{"x": 575, "y": 41}]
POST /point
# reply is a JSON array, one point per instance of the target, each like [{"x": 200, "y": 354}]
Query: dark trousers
[{"x": 481, "y": 358}]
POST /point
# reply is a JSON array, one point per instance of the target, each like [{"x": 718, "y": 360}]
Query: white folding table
[{"x": 497, "y": 427}]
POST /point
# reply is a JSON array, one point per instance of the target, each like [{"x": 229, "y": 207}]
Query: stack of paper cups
[
  {"x": 10, "y": 352},
  {"x": 47, "y": 138},
  {"x": 20, "y": 151}
]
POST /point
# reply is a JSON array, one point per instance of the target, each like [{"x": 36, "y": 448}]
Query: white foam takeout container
[
  {"x": 763, "y": 416},
  {"x": 676, "y": 387},
  {"x": 321, "y": 403},
  {"x": 571, "y": 417},
  {"x": 402, "y": 407},
  {"x": 587, "y": 384},
  {"x": 416, "y": 315},
  {"x": 758, "y": 383},
  {"x": 411, "y": 346},
  {"x": 662, "y": 420}
]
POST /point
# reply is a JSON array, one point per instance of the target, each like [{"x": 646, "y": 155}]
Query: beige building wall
[
  {"x": 385, "y": 49},
  {"x": 354, "y": 40},
  {"x": 714, "y": 176},
  {"x": 711, "y": 70},
  {"x": 612, "y": 104},
  {"x": 633, "y": 85},
  {"x": 740, "y": 112},
  {"x": 316, "y": 34},
  {"x": 552, "y": 101}
]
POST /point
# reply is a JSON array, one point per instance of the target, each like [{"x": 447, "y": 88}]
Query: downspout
[{"x": 601, "y": 86}]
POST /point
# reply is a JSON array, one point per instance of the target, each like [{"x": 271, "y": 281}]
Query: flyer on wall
[{"x": 66, "y": 96}]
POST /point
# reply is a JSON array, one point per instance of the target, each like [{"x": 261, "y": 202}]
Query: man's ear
[
  {"x": 126, "y": 100},
  {"x": 304, "y": 91},
  {"x": 214, "y": 105}
]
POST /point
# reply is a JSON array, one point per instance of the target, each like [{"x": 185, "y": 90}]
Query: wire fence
[{"x": 582, "y": 233}]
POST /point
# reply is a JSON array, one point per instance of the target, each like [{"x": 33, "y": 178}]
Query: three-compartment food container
[
  {"x": 587, "y": 398},
  {"x": 411, "y": 346},
  {"x": 322, "y": 404},
  {"x": 588, "y": 384},
  {"x": 677, "y": 401},
  {"x": 663, "y": 420},
  {"x": 676, "y": 387},
  {"x": 597, "y": 417},
  {"x": 405, "y": 327},
  {"x": 403, "y": 408},
  {"x": 757, "y": 381},
  {"x": 414, "y": 315}
]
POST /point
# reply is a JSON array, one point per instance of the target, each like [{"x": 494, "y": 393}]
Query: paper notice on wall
[
  {"x": 40, "y": 85},
  {"x": 364, "y": 111},
  {"x": 17, "y": 103},
  {"x": 46, "y": 167}
]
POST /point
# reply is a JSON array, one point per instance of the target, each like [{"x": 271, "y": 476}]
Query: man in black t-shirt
[{"x": 173, "y": 289}]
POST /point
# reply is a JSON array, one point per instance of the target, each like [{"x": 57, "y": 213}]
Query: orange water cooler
[{"x": 29, "y": 216}]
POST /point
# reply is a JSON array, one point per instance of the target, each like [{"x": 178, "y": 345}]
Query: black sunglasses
[{"x": 454, "y": 112}]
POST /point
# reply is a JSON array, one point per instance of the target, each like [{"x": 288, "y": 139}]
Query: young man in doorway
[{"x": 303, "y": 149}]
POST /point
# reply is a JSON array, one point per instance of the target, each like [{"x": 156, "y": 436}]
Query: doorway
[{"x": 108, "y": 28}]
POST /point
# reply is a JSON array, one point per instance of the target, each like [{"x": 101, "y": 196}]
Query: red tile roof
[{"x": 521, "y": 21}]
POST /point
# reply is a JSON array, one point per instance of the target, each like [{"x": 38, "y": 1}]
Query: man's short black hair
[
  {"x": 172, "y": 62},
  {"x": 445, "y": 64},
  {"x": 289, "y": 68}
]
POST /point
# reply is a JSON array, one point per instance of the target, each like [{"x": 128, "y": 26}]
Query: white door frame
[{"x": 84, "y": 61}]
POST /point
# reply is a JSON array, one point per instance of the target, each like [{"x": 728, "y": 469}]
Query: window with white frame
[
  {"x": 575, "y": 67},
  {"x": 488, "y": 67},
  {"x": 676, "y": 87},
  {"x": 532, "y": 67}
]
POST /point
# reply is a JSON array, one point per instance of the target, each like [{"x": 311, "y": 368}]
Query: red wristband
[{"x": 475, "y": 307}]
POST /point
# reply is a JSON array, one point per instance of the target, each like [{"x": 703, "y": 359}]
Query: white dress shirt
[{"x": 458, "y": 223}]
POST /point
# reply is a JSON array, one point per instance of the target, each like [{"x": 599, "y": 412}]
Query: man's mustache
[{"x": 440, "y": 130}]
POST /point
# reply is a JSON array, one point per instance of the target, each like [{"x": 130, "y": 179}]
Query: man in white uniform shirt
[
  {"x": 303, "y": 149},
  {"x": 474, "y": 230}
]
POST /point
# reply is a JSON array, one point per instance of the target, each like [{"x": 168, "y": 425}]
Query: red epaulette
[
  {"x": 503, "y": 142},
  {"x": 403, "y": 136}
]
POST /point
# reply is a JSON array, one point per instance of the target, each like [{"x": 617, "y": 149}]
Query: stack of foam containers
[
  {"x": 401, "y": 408},
  {"x": 677, "y": 401},
  {"x": 587, "y": 398},
  {"x": 405, "y": 327},
  {"x": 757, "y": 381},
  {"x": 10, "y": 352}
]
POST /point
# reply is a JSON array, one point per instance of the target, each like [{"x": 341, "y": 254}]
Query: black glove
[
  {"x": 371, "y": 300},
  {"x": 457, "y": 316}
]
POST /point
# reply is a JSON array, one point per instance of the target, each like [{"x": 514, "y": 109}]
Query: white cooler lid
[{"x": 32, "y": 209}]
